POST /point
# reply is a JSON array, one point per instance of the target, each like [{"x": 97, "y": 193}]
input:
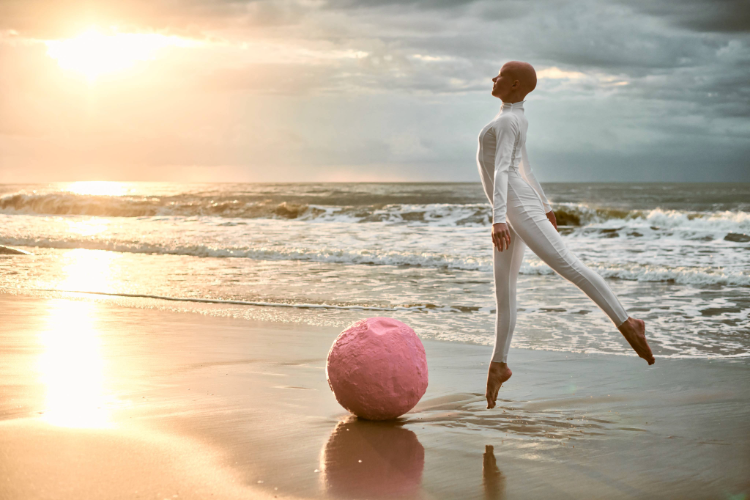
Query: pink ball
[{"x": 377, "y": 368}]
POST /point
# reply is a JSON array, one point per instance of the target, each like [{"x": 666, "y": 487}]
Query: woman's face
[{"x": 503, "y": 85}]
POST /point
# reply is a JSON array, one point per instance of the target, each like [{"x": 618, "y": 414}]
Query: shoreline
[
  {"x": 252, "y": 398},
  {"x": 220, "y": 308}
]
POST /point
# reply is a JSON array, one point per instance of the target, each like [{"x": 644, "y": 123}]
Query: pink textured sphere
[{"x": 377, "y": 368}]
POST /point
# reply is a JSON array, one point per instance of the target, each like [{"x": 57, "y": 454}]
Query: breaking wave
[{"x": 471, "y": 214}]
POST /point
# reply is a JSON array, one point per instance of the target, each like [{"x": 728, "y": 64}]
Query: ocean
[{"x": 677, "y": 255}]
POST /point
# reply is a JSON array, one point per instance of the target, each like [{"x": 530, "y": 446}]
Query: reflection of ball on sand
[
  {"x": 377, "y": 368},
  {"x": 372, "y": 459}
]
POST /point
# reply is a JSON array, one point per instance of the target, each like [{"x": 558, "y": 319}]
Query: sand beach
[{"x": 100, "y": 398}]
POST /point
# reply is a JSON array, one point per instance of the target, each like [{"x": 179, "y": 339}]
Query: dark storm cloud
[
  {"x": 714, "y": 85},
  {"x": 589, "y": 34},
  {"x": 657, "y": 62},
  {"x": 730, "y": 16}
]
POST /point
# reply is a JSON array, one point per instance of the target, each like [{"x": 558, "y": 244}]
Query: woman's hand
[
  {"x": 551, "y": 217},
  {"x": 500, "y": 236}
]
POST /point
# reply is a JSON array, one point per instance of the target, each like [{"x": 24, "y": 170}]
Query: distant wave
[
  {"x": 239, "y": 208},
  {"x": 680, "y": 275},
  {"x": 470, "y": 214},
  {"x": 140, "y": 206},
  {"x": 578, "y": 215}
]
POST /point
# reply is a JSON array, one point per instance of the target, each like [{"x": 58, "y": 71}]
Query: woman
[{"x": 522, "y": 217}]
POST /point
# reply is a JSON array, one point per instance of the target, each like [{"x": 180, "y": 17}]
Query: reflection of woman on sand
[
  {"x": 492, "y": 479},
  {"x": 523, "y": 217}
]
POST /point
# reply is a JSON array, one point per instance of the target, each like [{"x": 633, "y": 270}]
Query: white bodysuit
[{"x": 518, "y": 200}]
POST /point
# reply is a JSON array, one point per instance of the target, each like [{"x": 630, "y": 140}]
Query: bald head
[
  {"x": 523, "y": 72},
  {"x": 516, "y": 79}
]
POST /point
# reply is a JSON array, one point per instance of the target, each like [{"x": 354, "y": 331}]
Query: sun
[{"x": 95, "y": 53}]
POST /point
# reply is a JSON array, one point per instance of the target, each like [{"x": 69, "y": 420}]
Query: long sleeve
[
  {"x": 508, "y": 134},
  {"x": 531, "y": 179}
]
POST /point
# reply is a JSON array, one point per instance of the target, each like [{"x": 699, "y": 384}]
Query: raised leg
[{"x": 542, "y": 238}]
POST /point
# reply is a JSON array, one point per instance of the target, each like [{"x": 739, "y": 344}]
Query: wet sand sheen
[{"x": 140, "y": 403}]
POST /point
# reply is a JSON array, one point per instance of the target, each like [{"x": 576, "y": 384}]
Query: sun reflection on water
[
  {"x": 88, "y": 227},
  {"x": 72, "y": 367},
  {"x": 88, "y": 271},
  {"x": 101, "y": 188}
]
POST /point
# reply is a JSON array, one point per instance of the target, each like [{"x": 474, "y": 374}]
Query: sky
[{"x": 369, "y": 90}]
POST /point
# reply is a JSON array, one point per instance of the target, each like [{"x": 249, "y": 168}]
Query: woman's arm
[
  {"x": 507, "y": 131},
  {"x": 531, "y": 179}
]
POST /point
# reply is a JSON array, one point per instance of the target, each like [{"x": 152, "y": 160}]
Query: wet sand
[{"x": 98, "y": 400}]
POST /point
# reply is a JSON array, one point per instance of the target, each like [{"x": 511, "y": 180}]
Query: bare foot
[
  {"x": 496, "y": 377},
  {"x": 634, "y": 331}
]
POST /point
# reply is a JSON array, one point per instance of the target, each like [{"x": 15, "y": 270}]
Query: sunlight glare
[
  {"x": 88, "y": 270},
  {"x": 95, "y": 53},
  {"x": 88, "y": 227},
  {"x": 100, "y": 188},
  {"x": 72, "y": 367}
]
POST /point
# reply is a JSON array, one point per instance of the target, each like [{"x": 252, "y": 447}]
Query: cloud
[
  {"x": 423, "y": 4},
  {"x": 555, "y": 73},
  {"x": 336, "y": 84},
  {"x": 198, "y": 18},
  {"x": 729, "y": 16}
]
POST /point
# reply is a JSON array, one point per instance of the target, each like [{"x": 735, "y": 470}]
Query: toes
[
  {"x": 491, "y": 398},
  {"x": 648, "y": 357}
]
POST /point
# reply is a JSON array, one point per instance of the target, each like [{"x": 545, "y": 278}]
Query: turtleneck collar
[{"x": 513, "y": 105}]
